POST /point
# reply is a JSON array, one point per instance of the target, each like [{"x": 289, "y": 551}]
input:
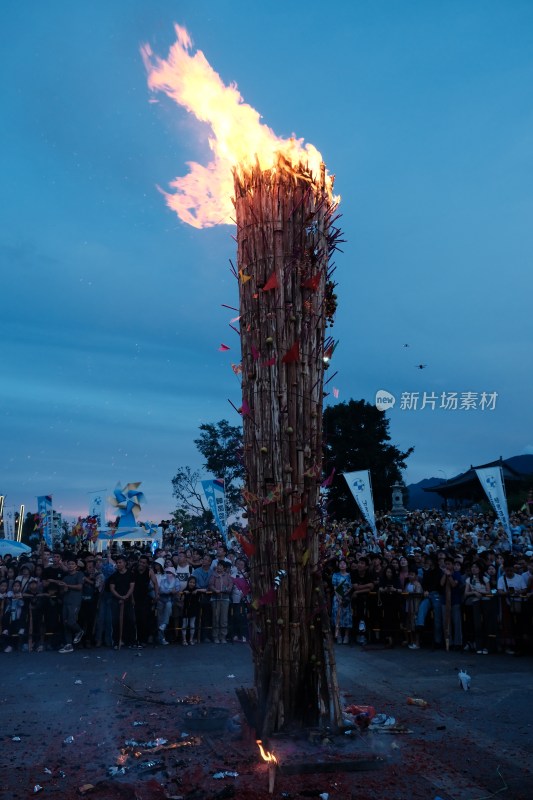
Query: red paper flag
[
  {"x": 301, "y": 531},
  {"x": 255, "y": 353},
  {"x": 270, "y": 362},
  {"x": 268, "y": 597},
  {"x": 223, "y": 348},
  {"x": 248, "y": 547},
  {"x": 297, "y": 507},
  {"x": 312, "y": 283},
  {"x": 272, "y": 282},
  {"x": 293, "y": 354}
]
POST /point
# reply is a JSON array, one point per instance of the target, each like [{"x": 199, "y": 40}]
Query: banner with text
[
  {"x": 97, "y": 506},
  {"x": 215, "y": 493},
  {"x": 44, "y": 508},
  {"x": 9, "y": 522},
  {"x": 360, "y": 485},
  {"x": 491, "y": 478}
]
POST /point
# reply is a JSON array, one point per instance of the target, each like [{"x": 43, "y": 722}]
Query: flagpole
[{"x": 21, "y": 523}]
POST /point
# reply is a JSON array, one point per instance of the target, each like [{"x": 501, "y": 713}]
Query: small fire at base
[{"x": 272, "y": 762}]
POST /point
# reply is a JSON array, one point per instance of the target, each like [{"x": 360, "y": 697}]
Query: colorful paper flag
[
  {"x": 237, "y": 368},
  {"x": 312, "y": 283},
  {"x": 272, "y": 283},
  {"x": 329, "y": 480},
  {"x": 293, "y": 354},
  {"x": 244, "y": 278},
  {"x": 335, "y": 393},
  {"x": 273, "y": 495},
  {"x": 301, "y": 531},
  {"x": 268, "y": 597},
  {"x": 247, "y": 547}
]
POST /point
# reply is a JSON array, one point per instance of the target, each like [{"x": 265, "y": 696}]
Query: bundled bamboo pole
[{"x": 285, "y": 237}]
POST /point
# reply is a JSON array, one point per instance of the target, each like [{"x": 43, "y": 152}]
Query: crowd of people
[
  {"x": 457, "y": 582},
  {"x": 428, "y": 579},
  {"x": 60, "y": 599}
]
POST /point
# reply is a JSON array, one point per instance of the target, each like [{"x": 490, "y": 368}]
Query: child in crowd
[{"x": 191, "y": 608}]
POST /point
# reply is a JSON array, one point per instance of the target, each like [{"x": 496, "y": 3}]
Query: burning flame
[
  {"x": 265, "y": 754},
  {"x": 203, "y": 198}
]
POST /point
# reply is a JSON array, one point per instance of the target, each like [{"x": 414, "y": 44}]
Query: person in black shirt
[
  {"x": 53, "y": 575},
  {"x": 433, "y": 591},
  {"x": 145, "y": 596},
  {"x": 362, "y": 585},
  {"x": 121, "y": 585}
]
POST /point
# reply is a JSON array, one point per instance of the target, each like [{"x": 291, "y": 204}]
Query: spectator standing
[
  {"x": 477, "y": 589},
  {"x": 432, "y": 586},
  {"x": 146, "y": 597},
  {"x": 389, "y": 599},
  {"x": 121, "y": 586},
  {"x": 362, "y": 584},
  {"x": 511, "y": 587},
  {"x": 104, "y": 617},
  {"x": 167, "y": 590},
  {"x": 240, "y": 597},
  {"x": 53, "y": 575},
  {"x": 71, "y": 584},
  {"x": 452, "y": 586},
  {"x": 14, "y": 619},
  {"x": 341, "y": 609},
  {"x": 191, "y": 607},
  {"x": 89, "y": 602},
  {"x": 221, "y": 586},
  {"x": 413, "y": 588},
  {"x": 202, "y": 575}
]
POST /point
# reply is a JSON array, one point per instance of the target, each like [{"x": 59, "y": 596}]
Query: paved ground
[{"x": 465, "y": 746}]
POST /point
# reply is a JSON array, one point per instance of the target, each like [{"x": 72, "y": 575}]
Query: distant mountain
[{"x": 418, "y": 499}]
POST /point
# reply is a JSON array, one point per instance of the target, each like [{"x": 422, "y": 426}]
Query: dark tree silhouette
[{"x": 356, "y": 436}]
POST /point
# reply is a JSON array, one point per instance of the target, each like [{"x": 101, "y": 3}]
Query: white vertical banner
[
  {"x": 9, "y": 522},
  {"x": 360, "y": 485},
  {"x": 491, "y": 478},
  {"x": 97, "y": 506}
]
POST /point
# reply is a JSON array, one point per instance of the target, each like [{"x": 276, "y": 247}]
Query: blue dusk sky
[{"x": 112, "y": 307}]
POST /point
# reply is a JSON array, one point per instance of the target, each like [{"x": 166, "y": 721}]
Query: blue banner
[
  {"x": 215, "y": 494},
  {"x": 44, "y": 509}
]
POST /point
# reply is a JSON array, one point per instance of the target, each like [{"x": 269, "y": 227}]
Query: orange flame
[
  {"x": 265, "y": 754},
  {"x": 203, "y": 198}
]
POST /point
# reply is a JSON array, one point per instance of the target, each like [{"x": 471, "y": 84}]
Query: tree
[
  {"x": 192, "y": 510},
  {"x": 356, "y": 436},
  {"x": 221, "y": 445}
]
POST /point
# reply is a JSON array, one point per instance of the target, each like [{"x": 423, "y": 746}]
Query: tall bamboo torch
[{"x": 280, "y": 196}]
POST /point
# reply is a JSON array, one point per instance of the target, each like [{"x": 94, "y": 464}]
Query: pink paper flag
[
  {"x": 223, "y": 348},
  {"x": 335, "y": 393},
  {"x": 255, "y": 353}
]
